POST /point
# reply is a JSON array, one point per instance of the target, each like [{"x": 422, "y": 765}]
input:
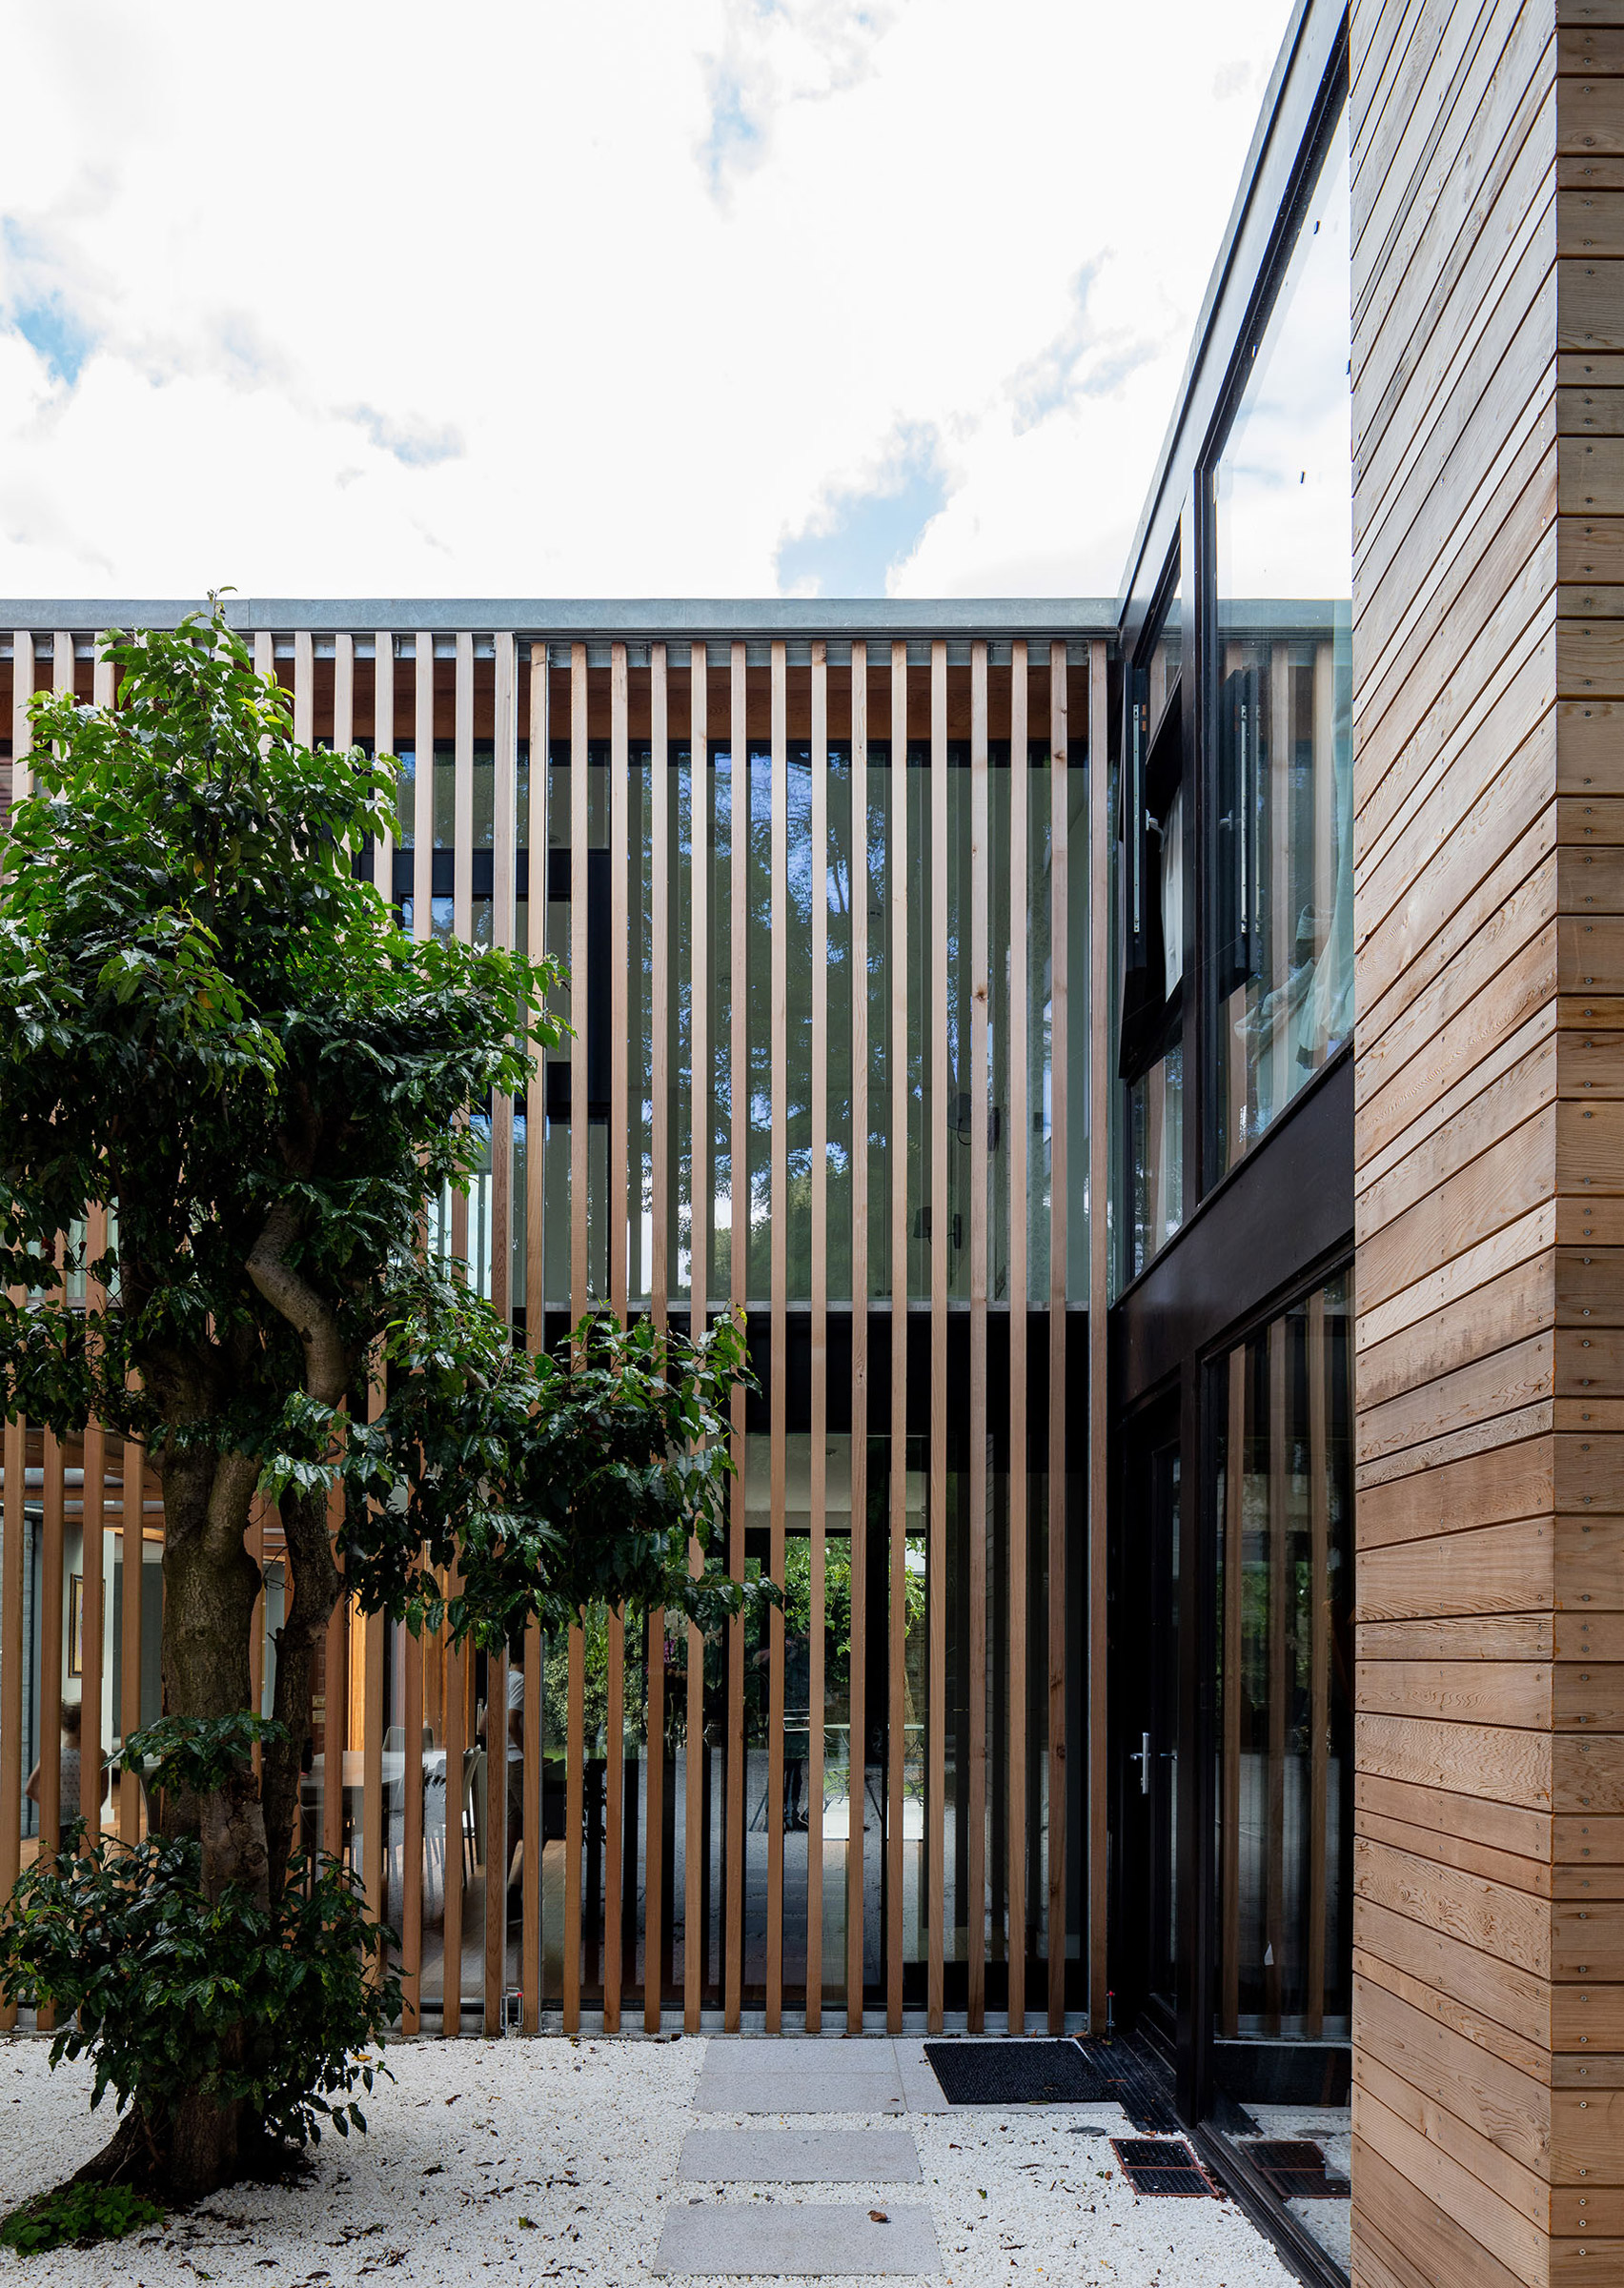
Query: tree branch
[{"x": 312, "y": 1318}]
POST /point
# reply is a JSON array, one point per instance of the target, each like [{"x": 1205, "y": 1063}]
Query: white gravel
[{"x": 582, "y": 2141}]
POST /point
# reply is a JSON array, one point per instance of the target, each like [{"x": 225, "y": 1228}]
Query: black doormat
[
  {"x": 1162, "y": 2165},
  {"x": 1015, "y": 2072},
  {"x": 1293, "y": 2169}
]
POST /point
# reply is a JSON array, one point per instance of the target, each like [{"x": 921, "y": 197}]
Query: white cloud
[{"x": 549, "y": 300}]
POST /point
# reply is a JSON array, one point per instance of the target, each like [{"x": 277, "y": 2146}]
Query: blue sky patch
[{"x": 852, "y": 544}]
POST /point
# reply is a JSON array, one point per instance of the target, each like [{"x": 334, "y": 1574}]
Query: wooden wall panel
[{"x": 1491, "y": 1237}]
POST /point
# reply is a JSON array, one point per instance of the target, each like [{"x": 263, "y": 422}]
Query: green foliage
[
  {"x": 76, "y": 2217},
  {"x": 174, "y": 1997},
  {"x": 220, "y": 1033},
  {"x": 199, "y": 1752},
  {"x": 556, "y": 1484}
]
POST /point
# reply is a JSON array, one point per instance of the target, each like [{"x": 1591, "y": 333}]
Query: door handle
[{"x": 1141, "y": 1756}]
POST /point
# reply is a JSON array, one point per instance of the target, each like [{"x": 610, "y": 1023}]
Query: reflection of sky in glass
[{"x": 1285, "y": 483}]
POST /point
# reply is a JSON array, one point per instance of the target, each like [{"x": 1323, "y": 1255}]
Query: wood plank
[
  {"x": 778, "y": 1373},
  {"x": 383, "y": 743},
  {"x": 857, "y": 1787},
  {"x": 530, "y": 1953},
  {"x": 456, "y": 1745},
  {"x": 701, "y": 1217},
  {"x": 51, "y": 1600},
  {"x": 462, "y": 796},
  {"x": 581, "y": 1284},
  {"x": 21, "y": 729},
  {"x": 738, "y": 1190},
  {"x": 423, "y": 788},
  {"x": 1020, "y": 1482},
  {"x": 660, "y": 1291},
  {"x": 412, "y": 1837},
  {"x": 817, "y": 1486},
  {"x": 92, "y": 1745},
  {"x": 897, "y": 1145},
  {"x": 620, "y": 1243},
  {"x": 1059, "y": 1181},
  {"x": 304, "y": 688},
  {"x": 498, "y": 1849},
  {"x": 972, "y": 1876},
  {"x": 132, "y": 1529},
  {"x": 504, "y": 917},
  {"x": 1100, "y": 1087},
  {"x": 12, "y": 1677},
  {"x": 580, "y": 1297},
  {"x": 936, "y": 1561}
]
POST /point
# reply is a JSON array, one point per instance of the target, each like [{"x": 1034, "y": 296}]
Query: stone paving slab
[
  {"x": 779, "y": 2054},
  {"x": 757, "y": 2239},
  {"x": 799, "y": 2156},
  {"x": 921, "y": 2092},
  {"x": 797, "y": 2094},
  {"x": 799, "y": 2076}
]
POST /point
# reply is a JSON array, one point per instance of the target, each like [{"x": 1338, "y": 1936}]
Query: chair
[{"x": 394, "y": 1740}]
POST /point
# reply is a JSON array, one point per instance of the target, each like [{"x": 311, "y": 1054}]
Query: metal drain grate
[
  {"x": 1293, "y": 2169},
  {"x": 1162, "y": 2165}
]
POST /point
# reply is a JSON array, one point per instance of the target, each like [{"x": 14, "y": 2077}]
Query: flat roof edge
[{"x": 1056, "y": 617}]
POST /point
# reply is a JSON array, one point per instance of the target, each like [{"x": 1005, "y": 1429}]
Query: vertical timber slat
[
  {"x": 973, "y": 1875},
  {"x": 1057, "y": 1178},
  {"x": 818, "y": 1488},
  {"x": 779, "y": 1035},
  {"x": 1019, "y": 774},
  {"x": 897, "y": 1049},
  {"x": 857, "y": 1733},
  {"x": 940, "y": 1229}
]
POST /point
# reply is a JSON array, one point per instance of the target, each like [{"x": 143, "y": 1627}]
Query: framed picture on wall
[{"x": 75, "y": 1623}]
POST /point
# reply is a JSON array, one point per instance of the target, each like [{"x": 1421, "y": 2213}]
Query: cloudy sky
[{"x": 634, "y": 297}]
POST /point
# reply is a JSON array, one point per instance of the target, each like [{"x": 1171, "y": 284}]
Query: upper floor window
[{"x": 1283, "y": 882}]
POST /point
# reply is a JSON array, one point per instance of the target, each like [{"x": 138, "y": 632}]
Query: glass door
[{"x": 1146, "y": 1660}]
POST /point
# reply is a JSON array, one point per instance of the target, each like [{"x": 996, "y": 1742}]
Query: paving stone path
[{"x": 873, "y": 2076}]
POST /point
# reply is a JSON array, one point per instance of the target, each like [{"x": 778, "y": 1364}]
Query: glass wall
[
  {"x": 1282, "y": 999},
  {"x": 1285, "y": 1743}
]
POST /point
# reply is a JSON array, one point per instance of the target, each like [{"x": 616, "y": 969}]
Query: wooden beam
[
  {"x": 132, "y": 1523},
  {"x": 504, "y": 875},
  {"x": 779, "y": 1035},
  {"x": 15, "y": 1439},
  {"x": 423, "y": 789},
  {"x": 699, "y": 1216},
  {"x": 897, "y": 1054},
  {"x": 653, "y": 1669},
  {"x": 818, "y": 1488},
  {"x": 1059, "y": 1177},
  {"x": 941, "y": 1239},
  {"x": 383, "y": 743},
  {"x": 304, "y": 688},
  {"x": 615, "y": 1715},
  {"x": 857, "y": 1781},
  {"x": 972, "y": 1876},
  {"x": 21, "y": 729},
  {"x": 1020, "y": 1121},
  {"x": 581, "y": 1293},
  {"x": 1098, "y": 983},
  {"x": 463, "y": 794},
  {"x": 738, "y": 1256}
]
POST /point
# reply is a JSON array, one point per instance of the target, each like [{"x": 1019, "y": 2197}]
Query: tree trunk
[
  {"x": 211, "y": 1587},
  {"x": 316, "y": 1585}
]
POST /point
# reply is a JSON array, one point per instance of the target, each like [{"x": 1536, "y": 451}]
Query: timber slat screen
[
  {"x": 822, "y": 927},
  {"x": 1489, "y": 677}
]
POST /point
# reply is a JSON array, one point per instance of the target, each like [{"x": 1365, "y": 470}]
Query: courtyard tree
[{"x": 218, "y": 1034}]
